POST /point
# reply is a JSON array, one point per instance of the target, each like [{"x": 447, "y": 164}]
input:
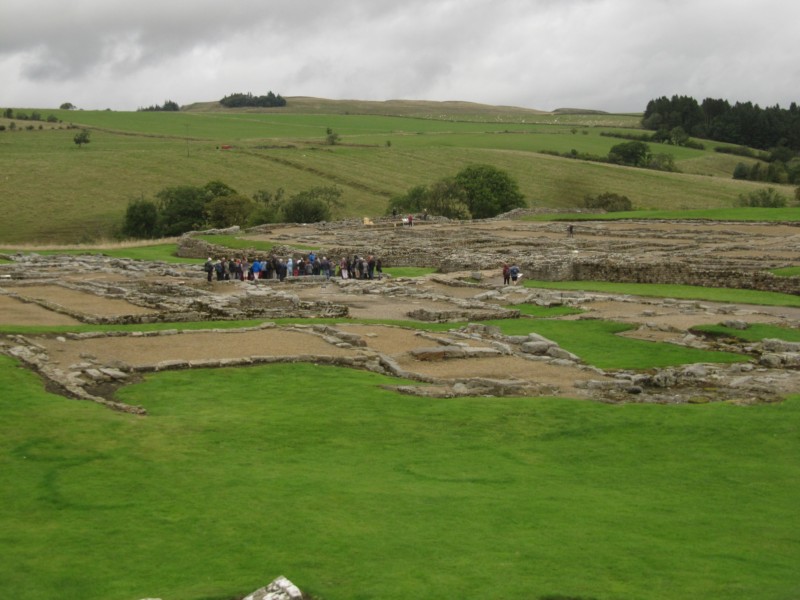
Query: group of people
[
  {"x": 511, "y": 274},
  {"x": 241, "y": 269}
]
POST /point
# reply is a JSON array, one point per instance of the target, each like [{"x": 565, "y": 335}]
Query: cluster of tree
[
  {"x": 774, "y": 171},
  {"x": 475, "y": 192},
  {"x": 676, "y": 136},
  {"x": 168, "y": 105},
  {"x": 630, "y": 154},
  {"x": 768, "y": 198},
  {"x": 10, "y": 113},
  {"x": 179, "y": 209},
  {"x": 778, "y": 165},
  {"x": 742, "y": 123},
  {"x": 240, "y": 100},
  {"x": 608, "y": 201}
]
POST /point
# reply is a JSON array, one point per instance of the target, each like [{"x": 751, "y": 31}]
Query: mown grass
[
  {"x": 682, "y": 292},
  {"x": 354, "y": 491},
  {"x": 135, "y": 155},
  {"x": 596, "y": 342},
  {"x": 545, "y": 312},
  {"x": 237, "y": 243},
  {"x": 711, "y": 214},
  {"x": 786, "y": 272},
  {"x": 153, "y": 252}
]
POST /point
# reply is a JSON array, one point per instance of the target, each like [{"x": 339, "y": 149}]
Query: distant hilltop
[{"x": 449, "y": 109}]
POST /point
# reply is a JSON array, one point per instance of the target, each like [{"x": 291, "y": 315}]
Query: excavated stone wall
[{"x": 642, "y": 253}]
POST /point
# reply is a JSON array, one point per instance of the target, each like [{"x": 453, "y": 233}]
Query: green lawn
[
  {"x": 787, "y": 272},
  {"x": 152, "y": 252},
  {"x": 682, "y": 292},
  {"x": 596, "y": 343},
  {"x": 545, "y": 312},
  {"x": 353, "y": 491}
]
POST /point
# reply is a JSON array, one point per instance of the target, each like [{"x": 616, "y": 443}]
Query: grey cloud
[{"x": 609, "y": 54}]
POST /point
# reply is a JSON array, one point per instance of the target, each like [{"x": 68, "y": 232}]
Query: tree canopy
[
  {"x": 477, "y": 191},
  {"x": 742, "y": 123},
  {"x": 239, "y": 100},
  {"x": 169, "y": 106},
  {"x": 183, "y": 208},
  {"x": 488, "y": 191}
]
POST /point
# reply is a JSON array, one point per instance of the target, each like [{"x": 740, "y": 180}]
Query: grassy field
[
  {"x": 682, "y": 292},
  {"x": 353, "y": 491},
  {"x": 134, "y": 155},
  {"x": 318, "y": 473}
]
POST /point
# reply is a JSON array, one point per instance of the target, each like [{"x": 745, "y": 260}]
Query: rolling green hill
[{"x": 53, "y": 191}]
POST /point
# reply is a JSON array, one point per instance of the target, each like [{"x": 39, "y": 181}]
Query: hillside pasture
[{"x": 58, "y": 192}]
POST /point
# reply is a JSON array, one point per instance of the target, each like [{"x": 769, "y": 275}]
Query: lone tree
[
  {"x": 332, "y": 138},
  {"x": 488, "y": 191},
  {"x": 81, "y": 138}
]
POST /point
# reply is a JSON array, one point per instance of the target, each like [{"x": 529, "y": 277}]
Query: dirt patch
[
  {"x": 138, "y": 352},
  {"x": 16, "y": 312},
  {"x": 81, "y": 302}
]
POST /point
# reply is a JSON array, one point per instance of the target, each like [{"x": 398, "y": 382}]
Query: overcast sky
[{"x": 612, "y": 55}]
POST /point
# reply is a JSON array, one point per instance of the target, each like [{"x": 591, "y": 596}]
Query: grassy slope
[
  {"x": 133, "y": 155},
  {"x": 368, "y": 494}
]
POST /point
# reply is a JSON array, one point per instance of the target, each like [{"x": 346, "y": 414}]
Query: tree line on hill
[
  {"x": 237, "y": 100},
  {"x": 168, "y": 106},
  {"x": 35, "y": 115},
  {"x": 248, "y": 99},
  {"x": 770, "y": 135},
  {"x": 742, "y": 123},
  {"x": 630, "y": 154}
]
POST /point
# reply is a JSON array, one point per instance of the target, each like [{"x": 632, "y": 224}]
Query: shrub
[
  {"x": 312, "y": 206},
  {"x": 306, "y": 208},
  {"x": 661, "y": 162},
  {"x": 634, "y": 154},
  {"x": 81, "y": 138},
  {"x": 269, "y": 207},
  {"x": 229, "y": 209},
  {"x": 609, "y": 202},
  {"x": 763, "y": 198},
  {"x": 141, "y": 219},
  {"x": 181, "y": 209},
  {"x": 742, "y": 171}
]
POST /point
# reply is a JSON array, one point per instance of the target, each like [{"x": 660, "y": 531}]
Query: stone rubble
[{"x": 177, "y": 292}]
